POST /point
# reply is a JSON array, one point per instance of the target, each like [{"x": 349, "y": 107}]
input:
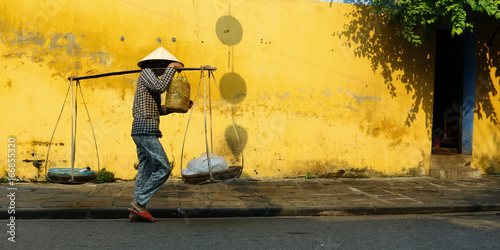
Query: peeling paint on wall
[
  {"x": 58, "y": 51},
  {"x": 359, "y": 98}
]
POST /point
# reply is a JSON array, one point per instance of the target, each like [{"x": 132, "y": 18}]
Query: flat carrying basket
[
  {"x": 232, "y": 172},
  {"x": 211, "y": 176},
  {"x": 68, "y": 175}
]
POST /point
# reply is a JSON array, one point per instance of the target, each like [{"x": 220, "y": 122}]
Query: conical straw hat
[{"x": 159, "y": 54}]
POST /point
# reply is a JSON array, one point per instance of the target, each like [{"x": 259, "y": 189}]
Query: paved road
[{"x": 443, "y": 231}]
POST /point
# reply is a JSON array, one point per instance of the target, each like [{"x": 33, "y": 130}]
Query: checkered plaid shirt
[{"x": 147, "y": 101}]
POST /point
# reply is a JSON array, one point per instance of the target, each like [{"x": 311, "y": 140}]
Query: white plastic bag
[{"x": 199, "y": 165}]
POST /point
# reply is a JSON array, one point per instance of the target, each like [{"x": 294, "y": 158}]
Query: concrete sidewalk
[{"x": 263, "y": 197}]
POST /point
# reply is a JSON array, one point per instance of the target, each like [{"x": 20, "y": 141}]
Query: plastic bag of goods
[{"x": 199, "y": 165}]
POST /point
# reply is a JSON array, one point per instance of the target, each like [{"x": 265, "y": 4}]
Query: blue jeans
[{"x": 154, "y": 168}]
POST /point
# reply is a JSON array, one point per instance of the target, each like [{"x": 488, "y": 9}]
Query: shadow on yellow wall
[
  {"x": 373, "y": 37},
  {"x": 370, "y": 36},
  {"x": 487, "y": 101},
  {"x": 488, "y": 72}
]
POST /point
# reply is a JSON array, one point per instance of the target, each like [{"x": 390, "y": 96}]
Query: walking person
[{"x": 154, "y": 167}]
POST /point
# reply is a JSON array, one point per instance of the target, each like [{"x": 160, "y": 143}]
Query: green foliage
[
  {"x": 104, "y": 175},
  {"x": 410, "y": 14},
  {"x": 308, "y": 175}
]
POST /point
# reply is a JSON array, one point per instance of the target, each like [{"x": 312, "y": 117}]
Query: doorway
[
  {"x": 448, "y": 94},
  {"x": 454, "y": 86}
]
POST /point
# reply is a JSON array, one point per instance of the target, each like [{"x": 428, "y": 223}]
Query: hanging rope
[
  {"x": 74, "y": 113},
  {"x": 189, "y": 119},
  {"x": 91, "y": 127},
  {"x": 74, "y": 123},
  {"x": 205, "y": 124},
  {"x": 54, "y": 132},
  {"x": 73, "y": 134},
  {"x": 210, "y": 105},
  {"x": 232, "y": 119},
  {"x": 210, "y": 124}
]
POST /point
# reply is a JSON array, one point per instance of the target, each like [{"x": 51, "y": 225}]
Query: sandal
[
  {"x": 136, "y": 218},
  {"x": 144, "y": 215}
]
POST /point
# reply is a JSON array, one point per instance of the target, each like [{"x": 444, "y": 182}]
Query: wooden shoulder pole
[{"x": 75, "y": 78}]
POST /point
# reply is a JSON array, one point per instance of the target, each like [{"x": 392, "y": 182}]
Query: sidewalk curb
[{"x": 106, "y": 213}]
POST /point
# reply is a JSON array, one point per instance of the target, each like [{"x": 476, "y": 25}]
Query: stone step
[
  {"x": 450, "y": 161},
  {"x": 455, "y": 173},
  {"x": 453, "y": 167}
]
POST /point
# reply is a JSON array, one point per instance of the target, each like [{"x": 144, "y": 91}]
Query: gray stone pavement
[{"x": 262, "y": 197}]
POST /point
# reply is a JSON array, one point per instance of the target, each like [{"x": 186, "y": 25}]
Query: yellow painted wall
[
  {"x": 305, "y": 97},
  {"x": 486, "y": 147}
]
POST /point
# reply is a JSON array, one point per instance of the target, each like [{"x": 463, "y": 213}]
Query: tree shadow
[
  {"x": 371, "y": 36},
  {"x": 487, "y": 60}
]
